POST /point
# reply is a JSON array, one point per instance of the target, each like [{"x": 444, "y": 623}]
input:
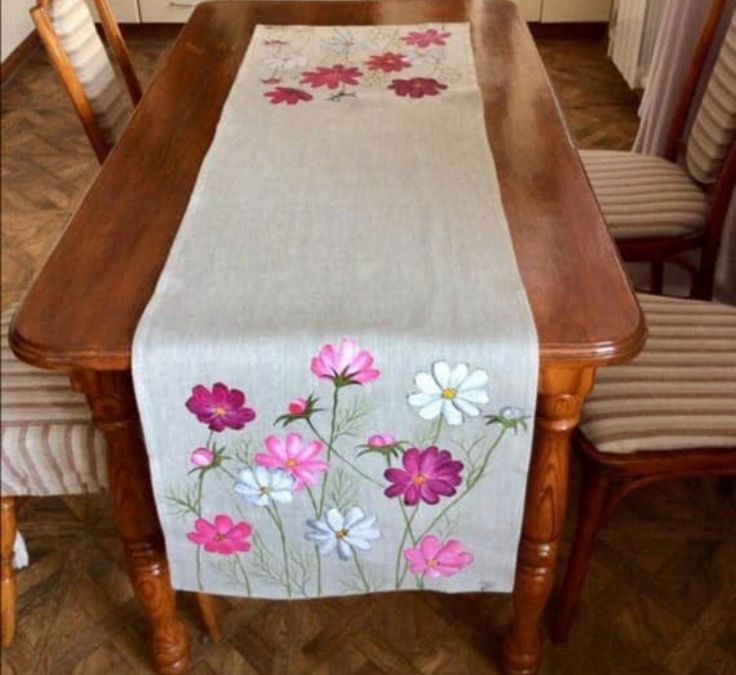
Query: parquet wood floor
[{"x": 661, "y": 597}]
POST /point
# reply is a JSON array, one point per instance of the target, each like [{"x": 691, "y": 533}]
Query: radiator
[{"x": 633, "y": 33}]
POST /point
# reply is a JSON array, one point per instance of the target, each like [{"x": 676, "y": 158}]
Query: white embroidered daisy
[
  {"x": 288, "y": 61},
  {"x": 451, "y": 393},
  {"x": 262, "y": 486},
  {"x": 344, "y": 532}
]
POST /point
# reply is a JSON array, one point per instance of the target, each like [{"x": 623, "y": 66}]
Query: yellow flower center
[
  {"x": 432, "y": 562},
  {"x": 291, "y": 463},
  {"x": 219, "y": 537},
  {"x": 449, "y": 394},
  {"x": 220, "y": 411},
  {"x": 265, "y": 490},
  {"x": 421, "y": 479},
  {"x": 341, "y": 534}
]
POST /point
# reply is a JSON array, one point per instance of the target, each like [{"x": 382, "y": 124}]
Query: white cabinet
[
  {"x": 166, "y": 11},
  {"x": 531, "y": 10},
  {"x": 125, "y": 11},
  {"x": 557, "y": 11}
]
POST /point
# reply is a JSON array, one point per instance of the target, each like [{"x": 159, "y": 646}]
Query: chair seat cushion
[
  {"x": 643, "y": 196},
  {"x": 49, "y": 444},
  {"x": 679, "y": 393}
]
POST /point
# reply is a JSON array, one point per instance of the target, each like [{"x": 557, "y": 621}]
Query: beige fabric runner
[{"x": 337, "y": 370}]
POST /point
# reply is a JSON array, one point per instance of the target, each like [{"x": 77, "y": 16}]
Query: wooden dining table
[{"x": 82, "y": 311}]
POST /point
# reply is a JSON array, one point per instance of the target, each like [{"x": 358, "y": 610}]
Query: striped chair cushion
[
  {"x": 76, "y": 30},
  {"x": 643, "y": 196},
  {"x": 49, "y": 445},
  {"x": 679, "y": 393},
  {"x": 714, "y": 127}
]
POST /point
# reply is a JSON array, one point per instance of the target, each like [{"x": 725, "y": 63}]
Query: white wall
[{"x": 16, "y": 24}]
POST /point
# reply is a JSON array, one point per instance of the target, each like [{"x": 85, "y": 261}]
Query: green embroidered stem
[
  {"x": 245, "y": 574},
  {"x": 407, "y": 532},
  {"x": 276, "y": 517},
  {"x": 316, "y": 548},
  {"x": 360, "y": 572},
  {"x": 199, "y": 568},
  {"x": 199, "y": 515},
  {"x": 437, "y": 431},
  {"x": 335, "y": 396}
]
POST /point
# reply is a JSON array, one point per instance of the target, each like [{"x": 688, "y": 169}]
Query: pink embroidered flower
[
  {"x": 220, "y": 408},
  {"x": 417, "y": 87},
  {"x": 223, "y": 536},
  {"x": 346, "y": 364},
  {"x": 388, "y": 62},
  {"x": 426, "y": 38},
  {"x": 287, "y": 95},
  {"x": 381, "y": 441},
  {"x": 331, "y": 78},
  {"x": 435, "y": 560},
  {"x": 298, "y": 406},
  {"x": 427, "y": 475},
  {"x": 202, "y": 457},
  {"x": 295, "y": 457}
]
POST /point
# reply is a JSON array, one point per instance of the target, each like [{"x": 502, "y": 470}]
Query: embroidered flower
[
  {"x": 417, "y": 87},
  {"x": 427, "y": 475},
  {"x": 223, "y": 536},
  {"x": 261, "y": 486},
  {"x": 295, "y": 457},
  {"x": 286, "y": 61},
  {"x": 202, "y": 457},
  {"x": 450, "y": 393},
  {"x": 345, "y": 532},
  {"x": 287, "y": 95},
  {"x": 388, "y": 62},
  {"x": 344, "y": 365},
  {"x": 382, "y": 444},
  {"x": 299, "y": 409},
  {"x": 331, "y": 78},
  {"x": 509, "y": 417},
  {"x": 435, "y": 560},
  {"x": 427, "y": 38},
  {"x": 220, "y": 408}
]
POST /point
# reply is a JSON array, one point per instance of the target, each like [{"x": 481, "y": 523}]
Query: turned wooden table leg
[
  {"x": 8, "y": 590},
  {"x": 111, "y": 398},
  {"x": 561, "y": 395}
]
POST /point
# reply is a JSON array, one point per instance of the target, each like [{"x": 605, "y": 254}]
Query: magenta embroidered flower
[
  {"x": 427, "y": 475},
  {"x": 331, "y": 78},
  {"x": 287, "y": 95},
  {"x": 298, "y": 406},
  {"x": 220, "y": 408},
  {"x": 344, "y": 365},
  {"x": 223, "y": 536},
  {"x": 427, "y": 38},
  {"x": 202, "y": 457},
  {"x": 388, "y": 62},
  {"x": 434, "y": 560},
  {"x": 417, "y": 87},
  {"x": 295, "y": 457},
  {"x": 381, "y": 441}
]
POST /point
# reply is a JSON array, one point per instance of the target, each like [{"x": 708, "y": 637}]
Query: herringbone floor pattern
[{"x": 661, "y": 597}]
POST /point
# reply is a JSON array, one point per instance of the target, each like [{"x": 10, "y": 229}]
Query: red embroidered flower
[
  {"x": 388, "y": 62},
  {"x": 331, "y": 78},
  {"x": 287, "y": 95},
  {"x": 427, "y": 38},
  {"x": 417, "y": 87}
]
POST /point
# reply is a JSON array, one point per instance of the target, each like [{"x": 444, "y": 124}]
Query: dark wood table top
[{"x": 83, "y": 308}]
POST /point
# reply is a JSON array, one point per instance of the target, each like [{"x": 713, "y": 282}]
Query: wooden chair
[
  {"x": 78, "y": 55},
  {"x": 49, "y": 444},
  {"x": 659, "y": 210},
  {"x": 669, "y": 413}
]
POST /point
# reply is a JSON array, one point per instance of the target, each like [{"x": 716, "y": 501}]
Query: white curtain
[{"x": 673, "y": 52}]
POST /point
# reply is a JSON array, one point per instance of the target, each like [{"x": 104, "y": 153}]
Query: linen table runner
[{"x": 337, "y": 371}]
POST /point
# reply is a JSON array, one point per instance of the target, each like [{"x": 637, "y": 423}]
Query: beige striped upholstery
[
  {"x": 49, "y": 445},
  {"x": 75, "y": 28},
  {"x": 644, "y": 196},
  {"x": 680, "y": 392},
  {"x": 715, "y": 123}
]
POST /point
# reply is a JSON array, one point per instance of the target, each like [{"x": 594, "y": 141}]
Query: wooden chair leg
[
  {"x": 210, "y": 615},
  {"x": 591, "y": 512},
  {"x": 657, "y": 277},
  {"x": 8, "y": 589}
]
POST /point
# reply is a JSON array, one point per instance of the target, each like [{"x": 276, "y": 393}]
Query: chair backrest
[
  {"x": 68, "y": 32},
  {"x": 714, "y": 126}
]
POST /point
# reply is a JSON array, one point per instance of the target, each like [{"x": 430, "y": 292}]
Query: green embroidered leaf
[
  {"x": 350, "y": 418},
  {"x": 342, "y": 491},
  {"x": 182, "y": 501}
]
